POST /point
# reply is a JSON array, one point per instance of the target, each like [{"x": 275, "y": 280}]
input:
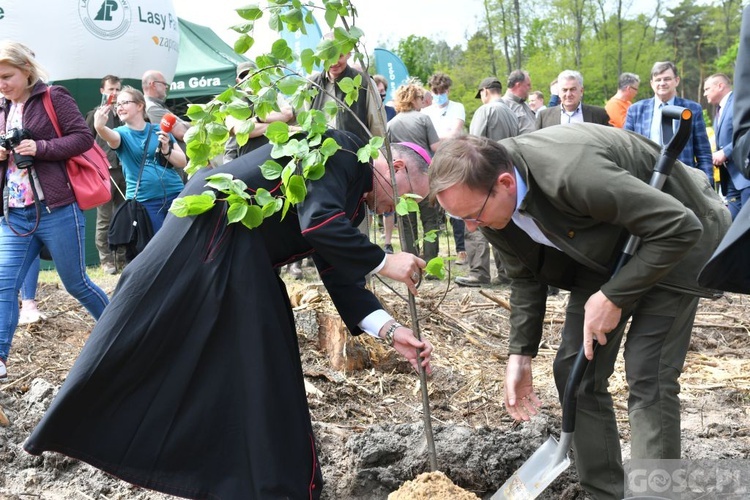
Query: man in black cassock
[{"x": 191, "y": 382}]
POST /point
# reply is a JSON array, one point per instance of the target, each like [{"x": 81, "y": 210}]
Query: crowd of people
[{"x": 200, "y": 319}]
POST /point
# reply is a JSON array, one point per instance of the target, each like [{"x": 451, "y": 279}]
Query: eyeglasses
[
  {"x": 635, "y": 89},
  {"x": 123, "y": 103},
  {"x": 163, "y": 83},
  {"x": 478, "y": 218}
]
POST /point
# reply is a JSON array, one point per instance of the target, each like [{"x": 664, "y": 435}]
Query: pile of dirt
[
  {"x": 368, "y": 422},
  {"x": 431, "y": 486}
]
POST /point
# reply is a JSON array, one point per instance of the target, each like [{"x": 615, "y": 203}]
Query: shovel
[{"x": 551, "y": 459}]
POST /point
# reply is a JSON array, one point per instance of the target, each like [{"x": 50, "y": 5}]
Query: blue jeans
[
  {"x": 158, "y": 209},
  {"x": 28, "y": 290},
  {"x": 62, "y": 230}
]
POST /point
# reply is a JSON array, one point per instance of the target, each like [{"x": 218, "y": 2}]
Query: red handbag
[{"x": 88, "y": 172}]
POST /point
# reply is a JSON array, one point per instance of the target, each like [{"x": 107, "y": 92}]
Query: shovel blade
[{"x": 534, "y": 475}]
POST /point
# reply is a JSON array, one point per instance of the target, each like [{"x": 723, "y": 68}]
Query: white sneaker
[
  {"x": 3, "y": 372},
  {"x": 30, "y": 316}
]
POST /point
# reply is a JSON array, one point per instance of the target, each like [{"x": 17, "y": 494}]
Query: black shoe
[
  {"x": 471, "y": 281},
  {"x": 388, "y": 248}
]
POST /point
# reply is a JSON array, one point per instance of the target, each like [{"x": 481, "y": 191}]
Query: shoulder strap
[
  {"x": 47, "y": 100},
  {"x": 143, "y": 158}
]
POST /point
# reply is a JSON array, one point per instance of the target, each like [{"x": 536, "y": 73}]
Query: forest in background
[{"x": 594, "y": 37}]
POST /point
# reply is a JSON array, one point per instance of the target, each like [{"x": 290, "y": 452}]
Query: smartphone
[{"x": 107, "y": 99}]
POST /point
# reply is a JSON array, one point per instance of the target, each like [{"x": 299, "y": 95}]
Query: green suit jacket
[{"x": 587, "y": 191}]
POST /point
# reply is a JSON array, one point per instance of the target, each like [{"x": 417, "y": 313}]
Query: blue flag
[{"x": 392, "y": 68}]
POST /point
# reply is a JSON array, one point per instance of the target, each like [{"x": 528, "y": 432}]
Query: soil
[{"x": 369, "y": 421}]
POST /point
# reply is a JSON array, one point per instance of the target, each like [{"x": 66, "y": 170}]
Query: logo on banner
[{"x": 105, "y": 19}]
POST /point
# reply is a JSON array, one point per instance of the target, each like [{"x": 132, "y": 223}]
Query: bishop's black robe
[{"x": 191, "y": 382}]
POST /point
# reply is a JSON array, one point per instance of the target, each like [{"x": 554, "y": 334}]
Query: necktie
[
  {"x": 717, "y": 114},
  {"x": 666, "y": 128}
]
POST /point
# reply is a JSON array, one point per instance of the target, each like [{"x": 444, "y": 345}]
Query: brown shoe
[{"x": 461, "y": 258}]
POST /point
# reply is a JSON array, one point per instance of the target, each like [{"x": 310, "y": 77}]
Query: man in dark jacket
[
  {"x": 571, "y": 108},
  {"x": 191, "y": 383},
  {"x": 561, "y": 220},
  {"x": 110, "y": 87}
]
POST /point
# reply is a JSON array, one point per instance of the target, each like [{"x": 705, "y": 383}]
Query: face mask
[
  {"x": 440, "y": 99},
  {"x": 383, "y": 96}
]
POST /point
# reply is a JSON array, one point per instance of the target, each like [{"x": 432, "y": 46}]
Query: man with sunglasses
[{"x": 562, "y": 220}]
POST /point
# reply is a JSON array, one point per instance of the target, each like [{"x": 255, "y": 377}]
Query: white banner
[{"x": 92, "y": 38}]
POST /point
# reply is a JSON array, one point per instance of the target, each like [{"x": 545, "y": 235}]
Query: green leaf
[
  {"x": 331, "y": 16},
  {"x": 239, "y": 109},
  {"x": 328, "y": 51},
  {"x": 277, "y": 132},
  {"x": 376, "y": 143},
  {"x": 436, "y": 267},
  {"x": 196, "y": 112},
  {"x": 271, "y": 170},
  {"x": 243, "y": 44},
  {"x": 401, "y": 207},
  {"x": 236, "y": 212},
  {"x": 431, "y": 235},
  {"x": 220, "y": 182},
  {"x": 296, "y": 191},
  {"x": 363, "y": 154},
  {"x": 280, "y": 50},
  {"x": 275, "y": 22},
  {"x": 194, "y": 204},
  {"x": 272, "y": 207},
  {"x": 329, "y": 147},
  {"x": 290, "y": 84},
  {"x": 287, "y": 205},
  {"x": 331, "y": 108},
  {"x": 263, "y": 197},
  {"x": 253, "y": 217},
  {"x": 307, "y": 60},
  {"x": 314, "y": 172},
  {"x": 346, "y": 85},
  {"x": 217, "y": 132},
  {"x": 243, "y": 28},
  {"x": 250, "y": 12}
]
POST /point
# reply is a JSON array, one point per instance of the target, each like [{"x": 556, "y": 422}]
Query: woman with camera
[
  {"x": 39, "y": 207},
  {"x": 147, "y": 155}
]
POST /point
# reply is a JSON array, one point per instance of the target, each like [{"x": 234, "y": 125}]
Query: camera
[{"x": 13, "y": 138}]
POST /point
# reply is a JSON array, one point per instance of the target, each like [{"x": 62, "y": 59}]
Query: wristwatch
[{"x": 391, "y": 330}]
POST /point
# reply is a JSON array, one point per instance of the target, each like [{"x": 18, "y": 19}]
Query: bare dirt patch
[{"x": 369, "y": 421}]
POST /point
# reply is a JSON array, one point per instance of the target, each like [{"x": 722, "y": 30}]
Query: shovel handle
[
  {"x": 663, "y": 168},
  {"x": 570, "y": 399}
]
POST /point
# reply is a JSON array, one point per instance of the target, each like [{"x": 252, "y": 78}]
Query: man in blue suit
[
  {"x": 718, "y": 91},
  {"x": 644, "y": 117}
]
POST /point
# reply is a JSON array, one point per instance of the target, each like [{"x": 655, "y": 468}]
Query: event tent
[{"x": 206, "y": 64}]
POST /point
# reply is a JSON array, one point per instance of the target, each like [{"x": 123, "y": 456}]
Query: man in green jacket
[{"x": 562, "y": 220}]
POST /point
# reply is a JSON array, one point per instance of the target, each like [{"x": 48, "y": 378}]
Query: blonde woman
[
  {"x": 41, "y": 208},
  {"x": 409, "y": 125}
]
